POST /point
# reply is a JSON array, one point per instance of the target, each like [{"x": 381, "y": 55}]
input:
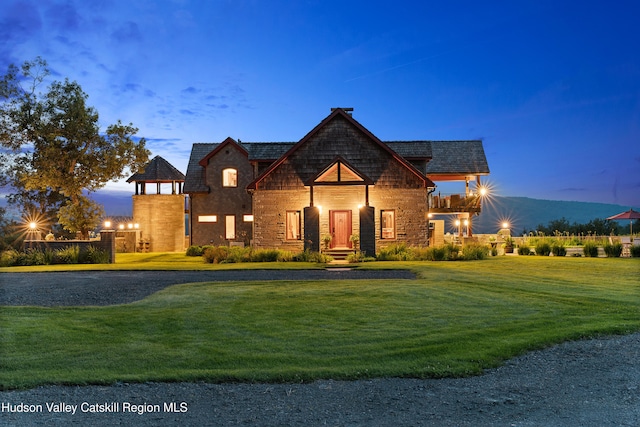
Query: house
[{"x": 339, "y": 182}]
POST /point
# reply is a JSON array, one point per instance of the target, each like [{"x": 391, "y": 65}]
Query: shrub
[
  {"x": 49, "y": 256},
  {"x": 97, "y": 256},
  {"x": 9, "y": 258},
  {"x": 543, "y": 248},
  {"x": 195, "y": 250},
  {"x": 359, "y": 256},
  {"x": 613, "y": 250},
  {"x": 309, "y": 256},
  {"x": 396, "y": 252},
  {"x": 265, "y": 255},
  {"x": 635, "y": 251},
  {"x": 439, "y": 254},
  {"x": 448, "y": 252},
  {"x": 215, "y": 254},
  {"x": 524, "y": 250},
  {"x": 32, "y": 257},
  {"x": 590, "y": 249},
  {"x": 236, "y": 254},
  {"x": 474, "y": 252},
  {"x": 68, "y": 255},
  {"x": 558, "y": 249}
]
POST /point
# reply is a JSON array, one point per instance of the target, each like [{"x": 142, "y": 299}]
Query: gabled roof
[
  {"x": 195, "y": 173},
  {"x": 414, "y": 150},
  {"x": 267, "y": 151},
  {"x": 158, "y": 170},
  {"x": 229, "y": 141},
  {"x": 342, "y": 113},
  {"x": 445, "y": 159},
  {"x": 457, "y": 158}
]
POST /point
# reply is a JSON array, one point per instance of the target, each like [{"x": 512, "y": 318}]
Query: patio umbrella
[{"x": 630, "y": 215}]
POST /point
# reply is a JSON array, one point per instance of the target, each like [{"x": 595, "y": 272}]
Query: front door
[{"x": 340, "y": 225}]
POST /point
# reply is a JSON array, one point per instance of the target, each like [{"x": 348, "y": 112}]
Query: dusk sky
[{"x": 551, "y": 87}]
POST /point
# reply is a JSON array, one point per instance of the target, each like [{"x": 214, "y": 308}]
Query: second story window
[{"x": 229, "y": 177}]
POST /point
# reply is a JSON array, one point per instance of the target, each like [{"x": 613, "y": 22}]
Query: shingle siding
[{"x": 277, "y": 177}]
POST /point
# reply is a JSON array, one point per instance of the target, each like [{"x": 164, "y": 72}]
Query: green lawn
[{"x": 456, "y": 319}]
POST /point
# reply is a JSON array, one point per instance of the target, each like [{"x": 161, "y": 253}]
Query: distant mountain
[{"x": 526, "y": 213}]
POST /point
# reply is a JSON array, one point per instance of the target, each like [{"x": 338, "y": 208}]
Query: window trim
[
  {"x": 226, "y": 181},
  {"x": 230, "y": 220},
  {"x": 383, "y": 235},
  {"x": 297, "y": 222},
  {"x": 207, "y": 218}
]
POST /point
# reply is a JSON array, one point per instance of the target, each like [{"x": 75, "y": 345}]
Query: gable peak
[{"x": 347, "y": 110}]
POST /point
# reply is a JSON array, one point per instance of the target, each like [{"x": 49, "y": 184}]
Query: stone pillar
[
  {"x": 368, "y": 230},
  {"x": 108, "y": 243},
  {"x": 312, "y": 228}
]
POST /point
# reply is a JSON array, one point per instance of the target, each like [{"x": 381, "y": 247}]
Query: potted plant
[
  {"x": 326, "y": 241},
  {"x": 354, "y": 239},
  {"x": 508, "y": 245}
]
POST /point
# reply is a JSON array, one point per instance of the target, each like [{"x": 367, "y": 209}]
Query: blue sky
[{"x": 551, "y": 87}]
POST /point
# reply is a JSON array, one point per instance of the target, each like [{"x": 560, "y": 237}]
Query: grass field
[{"x": 456, "y": 319}]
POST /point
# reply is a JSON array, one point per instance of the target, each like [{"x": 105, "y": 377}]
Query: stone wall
[
  {"x": 106, "y": 243},
  {"x": 162, "y": 221},
  {"x": 270, "y": 207},
  {"x": 270, "y": 215},
  {"x": 223, "y": 201}
]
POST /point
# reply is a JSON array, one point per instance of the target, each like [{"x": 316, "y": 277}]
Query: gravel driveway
[{"x": 585, "y": 383}]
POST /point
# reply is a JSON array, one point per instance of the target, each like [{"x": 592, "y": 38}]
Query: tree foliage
[
  {"x": 55, "y": 153},
  {"x": 597, "y": 226}
]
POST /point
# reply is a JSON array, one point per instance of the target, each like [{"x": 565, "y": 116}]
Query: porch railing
[{"x": 454, "y": 203}]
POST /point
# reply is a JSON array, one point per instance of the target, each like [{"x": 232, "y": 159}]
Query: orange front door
[{"x": 340, "y": 225}]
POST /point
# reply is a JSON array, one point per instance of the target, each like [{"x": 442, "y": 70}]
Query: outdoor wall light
[
  {"x": 33, "y": 225},
  {"x": 107, "y": 224},
  {"x": 121, "y": 226},
  {"x": 130, "y": 226},
  {"x": 505, "y": 225},
  {"x": 136, "y": 225}
]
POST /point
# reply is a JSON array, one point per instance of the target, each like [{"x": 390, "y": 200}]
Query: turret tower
[{"x": 161, "y": 217}]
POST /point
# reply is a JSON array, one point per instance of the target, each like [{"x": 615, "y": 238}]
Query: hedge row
[{"x": 69, "y": 255}]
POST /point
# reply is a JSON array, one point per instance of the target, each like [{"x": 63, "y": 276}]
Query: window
[
  {"x": 230, "y": 227},
  {"x": 229, "y": 177},
  {"x": 388, "y": 224},
  {"x": 247, "y": 218},
  {"x": 207, "y": 218},
  {"x": 293, "y": 225}
]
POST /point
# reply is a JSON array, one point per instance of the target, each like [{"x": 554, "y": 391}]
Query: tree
[{"x": 55, "y": 145}]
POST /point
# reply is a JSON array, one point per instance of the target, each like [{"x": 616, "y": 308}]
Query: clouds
[
  {"x": 127, "y": 32},
  {"x": 552, "y": 87}
]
